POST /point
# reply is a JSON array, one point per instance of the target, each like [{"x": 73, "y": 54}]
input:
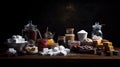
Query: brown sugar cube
[
  {"x": 108, "y": 46},
  {"x": 107, "y": 49},
  {"x": 111, "y": 48},
  {"x": 116, "y": 53},
  {"x": 107, "y": 43},
  {"x": 97, "y": 42},
  {"x": 104, "y": 40}
]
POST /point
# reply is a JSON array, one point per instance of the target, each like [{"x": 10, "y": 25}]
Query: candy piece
[{"x": 50, "y": 42}]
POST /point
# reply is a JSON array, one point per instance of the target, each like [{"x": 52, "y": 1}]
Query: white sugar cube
[
  {"x": 19, "y": 37},
  {"x": 43, "y": 53},
  {"x": 45, "y": 49},
  {"x": 12, "y": 50},
  {"x": 61, "y": 48},
  {"x": 50, "y": 53},
  {"x": 67, "y": 50},
  {"x": 14, "y": 37},
  {"x": 56, "y": 53},
  {"x": 64, "y": 53},
  {"x": 9, "y": 40},
  {"x": 50, "y": 50},
  {"x": 56, "y": 49}
]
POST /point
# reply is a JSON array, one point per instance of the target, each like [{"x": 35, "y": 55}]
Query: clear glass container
[
  {"x": 97, "y": 33},
  {"x": 82, "y": 35},
  {"x": 30, "y": 32}
]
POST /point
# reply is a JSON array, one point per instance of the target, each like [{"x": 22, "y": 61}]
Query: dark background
[{"x": 58, "y": 15}]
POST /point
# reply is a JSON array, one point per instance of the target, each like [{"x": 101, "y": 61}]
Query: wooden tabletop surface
[{"x": 69, "y": 56}]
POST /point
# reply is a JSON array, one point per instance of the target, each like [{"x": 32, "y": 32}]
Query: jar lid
[
  {"x": 30, "y": 25},
  {"x": 70, "y": 28},
  {"x": 61, "y": 36}
]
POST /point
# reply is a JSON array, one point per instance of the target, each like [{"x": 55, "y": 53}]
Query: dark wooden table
[
  {"x": 69, "y": 56},
  {"x": 70, "y": 59}
]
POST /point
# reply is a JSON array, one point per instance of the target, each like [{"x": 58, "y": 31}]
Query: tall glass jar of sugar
[{"x": 82, "y": 35}]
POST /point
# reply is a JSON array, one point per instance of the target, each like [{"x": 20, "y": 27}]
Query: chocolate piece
[
  {"x": 116, "y": 53},
  {"x": 109, "y": 53}
]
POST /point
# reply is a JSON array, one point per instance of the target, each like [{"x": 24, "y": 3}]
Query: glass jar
[
  {"x": 61, "y": 40},
  {"x": 96, "y": 32},
  {"x": 30, "y": 32},
  {"x": 69, "y": 30},
  {"x": 69, "y": 37}
]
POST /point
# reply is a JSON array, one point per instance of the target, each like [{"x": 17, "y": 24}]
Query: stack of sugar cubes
[
  {"x": 17, "y": 42},
  {"x": 12, "y": 50},
  {"x": 16, "y": 39},
  {"x": 56, "y": 51}
]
